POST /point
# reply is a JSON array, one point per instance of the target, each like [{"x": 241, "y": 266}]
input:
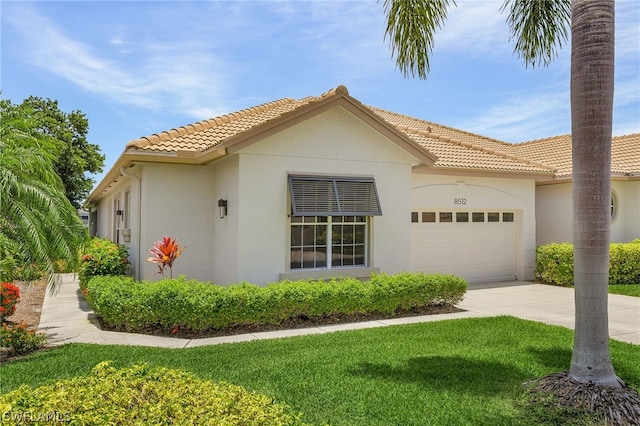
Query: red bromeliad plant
[
  {"x": 164, "y": 253},
  {"x": 9, "y": 298}
]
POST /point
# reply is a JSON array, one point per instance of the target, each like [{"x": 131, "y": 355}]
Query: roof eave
[
  {"x": 538, "y": 176},
  {"x": 132, "y": 156}
]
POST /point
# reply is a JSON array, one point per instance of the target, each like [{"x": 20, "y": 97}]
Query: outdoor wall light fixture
[
  {"x": 222, "y": 205},
  {"x": 119, "y": 212}
]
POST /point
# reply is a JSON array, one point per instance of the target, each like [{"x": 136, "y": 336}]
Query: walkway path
[{"x": 66, "y": 317}]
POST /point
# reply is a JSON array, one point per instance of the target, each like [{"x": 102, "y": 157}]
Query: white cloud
[
  {"x": 161, "y": 77},
  {"x": 474, "y": 27},
  {"x": 542, "y": 113}
]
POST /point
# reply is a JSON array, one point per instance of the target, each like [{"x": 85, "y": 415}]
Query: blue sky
[{"x": 137, "y": 68}]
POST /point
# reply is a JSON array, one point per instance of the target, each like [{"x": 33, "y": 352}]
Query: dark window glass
[
  {"x": 462, "y": 217},
  {"x": 493, "y": 217},
  {"x": 507, "y": 217},
  {"x": 477, "y": 216},
  {"x": 446, "y": 217},
  {"x": 428, "y": 216},
  {"x": 414, "y": 217}
]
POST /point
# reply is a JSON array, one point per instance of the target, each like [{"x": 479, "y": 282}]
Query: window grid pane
[
  {"x": 348, "y": 241},
  {"x": 309, "y": 241}
]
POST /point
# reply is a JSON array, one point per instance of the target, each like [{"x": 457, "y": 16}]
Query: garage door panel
[{"x": 478, "y": 252}]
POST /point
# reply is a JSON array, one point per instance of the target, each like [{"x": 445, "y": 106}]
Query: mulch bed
[{"x": 615, "y": 406}]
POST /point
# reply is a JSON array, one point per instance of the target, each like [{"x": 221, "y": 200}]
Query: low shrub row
[
  {"x": 177, "y": 304},
  {"x": 102, "y": 257},
  {"x": 142, "y": 395},
  {"x": 554, "y": 263}
]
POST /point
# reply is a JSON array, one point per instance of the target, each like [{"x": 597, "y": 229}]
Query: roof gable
[{"x": 233, "y": 131}]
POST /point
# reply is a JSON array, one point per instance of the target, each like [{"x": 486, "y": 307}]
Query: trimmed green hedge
[
  {"x": 554, "y": 263},
  {"x": 102, "y": 257},
  {"x": 141, "y": 395},
  {"x": 170, "y": 304}
]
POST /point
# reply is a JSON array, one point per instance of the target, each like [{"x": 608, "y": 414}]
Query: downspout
[{"x": 137, "y": 266}]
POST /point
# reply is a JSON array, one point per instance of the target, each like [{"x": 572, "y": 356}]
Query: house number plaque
[{"x": 460, "y": 201}]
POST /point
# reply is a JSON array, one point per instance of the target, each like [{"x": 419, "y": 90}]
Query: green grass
[
  {"x": 627, "y": 290},
  {"x": 454, "y": 372}
]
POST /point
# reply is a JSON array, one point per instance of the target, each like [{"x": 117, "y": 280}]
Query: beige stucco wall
[
  {"x": 625, "y": 226},
  {"x": 440, "y": 192},
  {"x": 179, "y": 201},
  {"x": 553, "y": 214},
  {"x": 335, "y": 143},
  {"x": 554, "y": 210}
]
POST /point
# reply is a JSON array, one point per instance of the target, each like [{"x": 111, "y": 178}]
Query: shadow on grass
[
  {"x": 557, "y": 359},
  {"x": 442, "y": 373}
]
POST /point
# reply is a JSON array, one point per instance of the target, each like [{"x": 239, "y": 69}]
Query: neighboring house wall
[
  {"x": 554, "y": 212},
  {"x": 625, "y": 225},
  {"x": 477, "y": 251}
]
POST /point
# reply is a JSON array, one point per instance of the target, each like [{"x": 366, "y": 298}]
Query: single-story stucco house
[{"x": 326, "y": 186}]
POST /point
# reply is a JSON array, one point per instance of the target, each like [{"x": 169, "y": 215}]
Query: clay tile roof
[
  {"x": 625, "y": 155},
  {"x": 209, "y": 133},
  {"x": 462, "y": 150},
  {"x": 556, "y": 151},
  {"x": 454, "y": 148}
]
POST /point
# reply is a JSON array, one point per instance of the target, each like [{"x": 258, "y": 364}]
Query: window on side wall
[
  {"x": 614, "y": 206},
  {"x": 330, "y": 221}
]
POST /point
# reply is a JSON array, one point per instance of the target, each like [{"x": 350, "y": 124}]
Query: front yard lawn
[
  {"x": 453, "y": 372},
  {"x": 627, "y": 290}
]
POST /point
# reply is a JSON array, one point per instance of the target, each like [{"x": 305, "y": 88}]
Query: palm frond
[
  {"x": 540, "y": 28},
  {"x": 411, "y": 26}
]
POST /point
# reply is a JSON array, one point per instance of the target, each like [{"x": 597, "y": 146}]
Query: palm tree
[
  {"x": 38, "y": 224},
  {"x": 539, "y": 28},
  {"x": 592, "y": 75}
]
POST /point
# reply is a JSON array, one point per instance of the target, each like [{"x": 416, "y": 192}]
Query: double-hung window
[{"x": 330, "y": 221}]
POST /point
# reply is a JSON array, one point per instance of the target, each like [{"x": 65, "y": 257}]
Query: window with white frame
[
  {"x": 614, "y": 206},
  {"x": 330, "y": 221}
]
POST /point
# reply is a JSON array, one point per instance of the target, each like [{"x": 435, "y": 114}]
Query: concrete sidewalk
[{"x": 67, "y": 318}]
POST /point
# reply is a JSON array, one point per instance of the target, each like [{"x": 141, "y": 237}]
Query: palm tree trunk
[{"x": 592, "y": 77}]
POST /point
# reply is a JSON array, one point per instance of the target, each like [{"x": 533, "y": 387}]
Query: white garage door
[{"x": 479, "y": 246}]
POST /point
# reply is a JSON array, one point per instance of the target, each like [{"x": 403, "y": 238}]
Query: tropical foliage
[
  {"x": 74, "y": 156},
  {"x": 102, "y": 257},
  {"x": 9, "y": 298},
  {"x": 540, "y": 28},
  {"x": 164, "y": 253},
  {"x": 141, "y": 394},
  {"x": 19, "y": 339},
  {"x": 38, "y": 224}
]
